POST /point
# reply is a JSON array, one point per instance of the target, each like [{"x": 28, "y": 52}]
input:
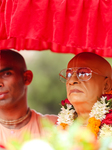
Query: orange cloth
[{"x": 33, "y": 127}]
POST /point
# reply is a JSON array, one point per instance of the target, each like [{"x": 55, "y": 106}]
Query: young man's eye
[{"x": 7, "y": 73}]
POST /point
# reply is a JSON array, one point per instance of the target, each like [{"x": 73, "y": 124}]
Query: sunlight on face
[{"x": 86, "y": 91}]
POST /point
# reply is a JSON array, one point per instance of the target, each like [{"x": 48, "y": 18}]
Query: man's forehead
[
  {"x": 9, "y": 65},
  {"x": 87, "y": 59},
  {"x": 81, "y": 63},
  {"x": 93, "y": 61}
]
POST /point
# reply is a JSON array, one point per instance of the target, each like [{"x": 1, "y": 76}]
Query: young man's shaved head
[
  {"x": 14, "y": 79},
  {"x": 13, "y": 59}
]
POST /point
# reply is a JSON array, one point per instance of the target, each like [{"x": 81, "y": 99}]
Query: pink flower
[
  {"x": 66, "y": 101},
  {"x": 108, "y": 119},
  {"x": 1, "y": 146},
  {"x": 109, "y": 96},
  {"x": 63, "y": 102}
]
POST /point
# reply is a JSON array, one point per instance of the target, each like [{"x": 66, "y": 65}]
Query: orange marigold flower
[
  {"x": 89, "y": 125},
  {"x": 96, "y": 129},
  {"x": 64, "y": 125},
  {"x": 110, "y": 92},
  {"x": 98, "y": 122},
  {"x": 92, "y": 119},
  {"x": 94, "y": 125},
  {"x": 95, "y": 134}
]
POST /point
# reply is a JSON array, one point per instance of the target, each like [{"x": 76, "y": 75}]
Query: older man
[
  {"x": 15, "y": 115},
  {"x": 87, "y": 77}
]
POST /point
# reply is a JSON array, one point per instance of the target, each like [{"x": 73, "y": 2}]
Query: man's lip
[
  {"x": 3, "y": 93},
  {"x": 75, "y": 91}
]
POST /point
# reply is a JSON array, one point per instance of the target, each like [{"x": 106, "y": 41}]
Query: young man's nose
[{"x": 1, "y": 84}]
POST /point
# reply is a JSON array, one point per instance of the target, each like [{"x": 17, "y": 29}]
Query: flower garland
[
  {"x": 100, "y": 120},
  {"x": 66, "y": 116}
]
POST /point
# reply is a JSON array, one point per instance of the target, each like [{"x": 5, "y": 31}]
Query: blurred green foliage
[{"x": 46, "y": 90}]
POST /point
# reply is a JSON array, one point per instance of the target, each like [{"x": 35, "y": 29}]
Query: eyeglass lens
[{"x": 83, "y": 74}]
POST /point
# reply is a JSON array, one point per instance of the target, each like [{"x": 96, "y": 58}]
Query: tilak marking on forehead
[{"x": 77, "y": 60}]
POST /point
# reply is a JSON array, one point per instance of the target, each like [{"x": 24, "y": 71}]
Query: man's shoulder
[
  {"x": 50, "y": 117},
  {"x": 34, "y": 112}
]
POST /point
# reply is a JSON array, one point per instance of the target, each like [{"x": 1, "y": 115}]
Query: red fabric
[{"x": 63, "y": 26}]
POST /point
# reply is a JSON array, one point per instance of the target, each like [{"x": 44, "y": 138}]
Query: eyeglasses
[{"x": 82, "y": 73}]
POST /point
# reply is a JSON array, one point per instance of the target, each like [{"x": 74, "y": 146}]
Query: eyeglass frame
[{"x": 77, "y": 75}]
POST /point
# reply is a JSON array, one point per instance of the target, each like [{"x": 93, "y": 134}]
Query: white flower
[
  {"x": 66, "y": 115},
  {"x": 105, "y": 131},
  {"x": 99, "y": 109},
  {"x": 36, "y": 145}
]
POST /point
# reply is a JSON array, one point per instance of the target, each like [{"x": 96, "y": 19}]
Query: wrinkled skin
[
  {"x": 83, "y": 94},
  {"x": 14, "y": 79}
]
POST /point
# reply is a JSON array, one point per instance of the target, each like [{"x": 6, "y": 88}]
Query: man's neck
[
  {"x": 84, "y": 117},
  {"x": 14, "y": 114},
  {"x": 18, "y": 126},
  {"x": 83, "y": 110}
]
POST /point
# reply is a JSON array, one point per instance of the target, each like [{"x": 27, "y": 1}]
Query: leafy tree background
[{"x": 46, "y": 90}]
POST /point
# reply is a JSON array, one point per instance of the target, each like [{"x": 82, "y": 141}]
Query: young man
[{"x": 16, "y": 117}]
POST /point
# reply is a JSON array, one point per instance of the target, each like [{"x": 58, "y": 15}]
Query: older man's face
[{"x": 84, "y": 91}]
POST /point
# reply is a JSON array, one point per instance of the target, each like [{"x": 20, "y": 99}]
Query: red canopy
[{"x": 63, "y": 26}]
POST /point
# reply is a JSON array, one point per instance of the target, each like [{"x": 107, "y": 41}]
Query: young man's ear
[
  {"x": 28, "y": 76},
  {"x": 107, "y": 85}
]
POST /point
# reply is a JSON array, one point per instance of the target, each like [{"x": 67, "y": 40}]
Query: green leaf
[{"x": 16, "y": 144}]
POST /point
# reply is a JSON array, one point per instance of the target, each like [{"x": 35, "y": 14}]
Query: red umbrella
[{"x": 63, "y": 26}]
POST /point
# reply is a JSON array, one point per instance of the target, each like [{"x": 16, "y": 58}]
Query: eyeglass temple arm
[
  {"x": 99, "y": 74},
  {"x": 62, "y": 76}
]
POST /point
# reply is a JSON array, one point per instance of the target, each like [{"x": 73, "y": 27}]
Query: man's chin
[
  {"x": 5, "y": 102},
  {"x": 76, "y": 99},
  {"x": 74, "y": 94}
]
